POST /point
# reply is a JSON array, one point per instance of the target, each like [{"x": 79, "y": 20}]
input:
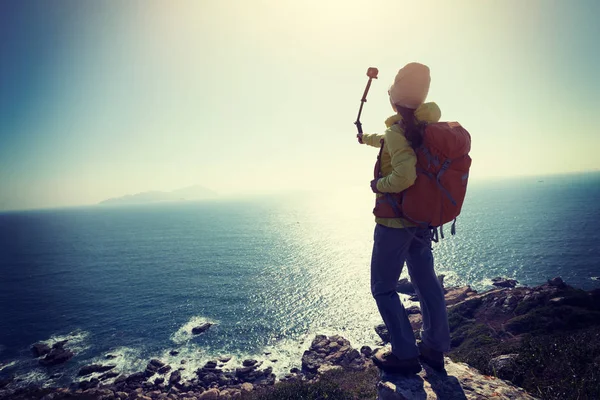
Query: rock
[
  {"x": 414, "y": 297},
  {"x": 159, "y": 380},
  {"x": 201, "y": 328},
  {"x": 247, "y": 387},
  {"x": 157, "y": 363},
  {"x": 456, "y": 295},
  {"x": 295, "y": 370},
  {"x": 504, "y": 366},
  {"x": 122, "y": 395},
  {"x": 310, "y": 362},
  {"x": 504, "y": 282},
  {"x": 93, "y": 368},
  {"x": 173, "y": 352},
  {"x": 210, "y": 394},
  {"x": 366, "y": 351},
  {"x": 164, "y": 369},
  {"x": 40, "y": 349},
  {"x": 224, "y": 359},
  {"x": 58, "y": 355},
  {"x": 273, "y": 360},
  {"x": 383, "y": 333},
  {"x": 59, "y": 345},
  {"x": 110, "y": 356},
  {"x": 183, "y": 362},
  {"x": 210, "y": 365},
  {"x": 249, "y": 363},
  {"x": 210, "y": 378},
  {"x": 92, "y": 383},
  {"x": 441, "y": 279},
  {"x": 175, "y": 377},
  {"x": 460, "y": 382},
  {"x": 137, "y": 377},
  {"x": 413, "y": 310},
  {"x": 108, "y": 375},
  {"x": 404, "y": 286},
  {"x": 557, "y": 282}
]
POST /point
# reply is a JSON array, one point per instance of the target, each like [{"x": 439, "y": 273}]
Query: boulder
[
  {"x": 504, "y": 282},
  {"x": 458, "y": 294},
  {"x": 413, "y": 310},
  {"x": 137, "y": 377},
  {"x": 248, "y": 363},
  {"x": 93, "y": 368},
  {"x": 405, "y": 286},
  {"x": 175, "y": 377},
  {"x": 58, "y": 355},
  {"x": 247, "y": 387},
  {"x": 40, "y": 349},
  {"x": 108, "y": 375},
  {"x": 383, "y": 333},
  {"x": 164, "y": 370},
  {"x": 157, "y": 363},
  {"x": 201, "y": 328},
  {"x": 210, "y": 394},
  {"x": 366, "y": 351},
  {"x": 173, "y": 352},
  {"x": 557, "y": 282},
  {"x": 310, "y": 362},
  {"x": 59, "y": 345},
  {"x": 92, "y": 383},
  {"x": 504, "y": 366}
]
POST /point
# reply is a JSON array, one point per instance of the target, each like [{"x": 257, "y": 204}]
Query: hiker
[{"x": 397, "y": 240}]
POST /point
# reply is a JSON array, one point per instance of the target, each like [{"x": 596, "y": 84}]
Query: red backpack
[{"x": 438, "y": 193}]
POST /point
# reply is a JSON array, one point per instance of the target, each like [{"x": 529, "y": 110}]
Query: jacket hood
[{"x": 428, "y": 112}]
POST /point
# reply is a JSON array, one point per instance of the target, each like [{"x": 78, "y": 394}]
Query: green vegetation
[{"x": 557, "y": 343}]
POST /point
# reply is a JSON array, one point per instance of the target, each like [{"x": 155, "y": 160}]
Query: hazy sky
[{"x": 101, "y": 99}]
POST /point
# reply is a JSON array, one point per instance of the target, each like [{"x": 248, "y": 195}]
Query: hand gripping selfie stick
[{"x": 372, "y": 74}]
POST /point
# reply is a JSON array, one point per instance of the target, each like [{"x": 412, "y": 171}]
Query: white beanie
[{"x": 410, "y": 86}]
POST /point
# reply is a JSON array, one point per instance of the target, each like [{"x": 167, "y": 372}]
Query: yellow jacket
[{"x": 398, "y": 160}]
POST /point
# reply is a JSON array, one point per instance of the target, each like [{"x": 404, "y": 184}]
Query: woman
[{"x": 398, "y": 241}]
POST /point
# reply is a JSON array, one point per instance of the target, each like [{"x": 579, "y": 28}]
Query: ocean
[{"x": 270, "y": 273}]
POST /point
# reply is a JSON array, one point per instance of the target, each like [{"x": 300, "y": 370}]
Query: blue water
[{"x": 270, "y": 273}]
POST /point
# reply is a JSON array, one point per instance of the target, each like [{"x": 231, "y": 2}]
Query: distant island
[{"x": 190, "y": 193}]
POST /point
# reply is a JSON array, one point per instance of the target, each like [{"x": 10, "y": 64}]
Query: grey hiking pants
[{"x": 391, "y": 249}]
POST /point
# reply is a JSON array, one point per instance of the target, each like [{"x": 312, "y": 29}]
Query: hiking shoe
[
  {"x": 388, "y": 362},
  {"x": 433, "y": 358}
]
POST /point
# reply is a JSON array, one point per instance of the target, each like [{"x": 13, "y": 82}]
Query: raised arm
[{"x": 372, "y": 139}]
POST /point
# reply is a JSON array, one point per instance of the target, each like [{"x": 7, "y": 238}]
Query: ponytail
[{"x": 413, "y": 130}]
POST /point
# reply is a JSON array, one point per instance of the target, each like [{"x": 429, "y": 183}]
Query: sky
[{"x": 103, "y": 99}]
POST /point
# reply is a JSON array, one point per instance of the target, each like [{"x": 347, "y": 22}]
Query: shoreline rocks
[
  {"x": 496, "y": 314},
  {"x": 57, "y": 355}
]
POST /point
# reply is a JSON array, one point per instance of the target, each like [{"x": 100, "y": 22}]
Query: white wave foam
[
  {"x": 76, "y": 340},
  {"x": 36, "y": 376},
  {"x": 184, "y": 334},
  {"x": 127, "y": 360},
  {"x": 10, "y": 364}
]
